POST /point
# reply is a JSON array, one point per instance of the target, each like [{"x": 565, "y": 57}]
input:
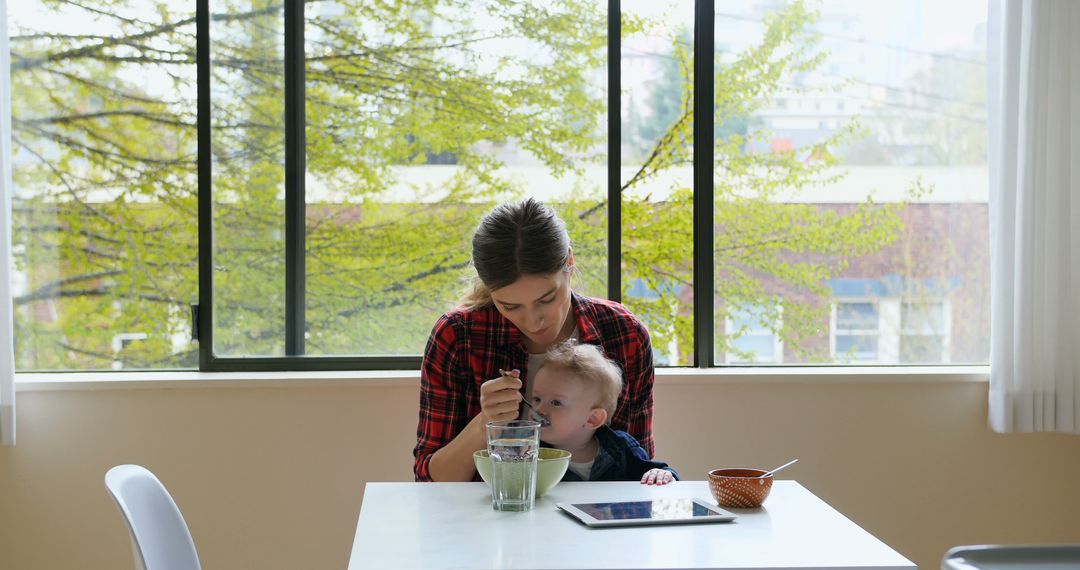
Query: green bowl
[{"x": 550, "y": 467}]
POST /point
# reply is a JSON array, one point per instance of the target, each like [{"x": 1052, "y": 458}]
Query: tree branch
[
  {"x": 95, "y": 50},
  {"x": 62, "y": 119}
]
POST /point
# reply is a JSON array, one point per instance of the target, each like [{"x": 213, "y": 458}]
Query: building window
[
  {"x": 856, "y": 332},
  {"x": 751, "y": 336},
  {"x": 924, "y": 332}
]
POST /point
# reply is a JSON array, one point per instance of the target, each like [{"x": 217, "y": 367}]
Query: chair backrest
[
  {"x": 159, "y": 536},
  {"x": 1012, "y": 556}
]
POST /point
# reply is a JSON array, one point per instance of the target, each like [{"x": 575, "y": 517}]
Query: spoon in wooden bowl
[{"x": 767, "y": 473}]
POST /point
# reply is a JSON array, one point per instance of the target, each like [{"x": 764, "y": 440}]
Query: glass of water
[{"x": 512, "y": 448}]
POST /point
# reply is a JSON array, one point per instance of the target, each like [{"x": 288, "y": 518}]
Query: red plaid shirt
[{"x": 468, "y": 347}]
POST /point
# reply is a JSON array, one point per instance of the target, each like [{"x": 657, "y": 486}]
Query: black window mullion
[
  {"x": 614, "y": 150},
  {"x": 704, "y": 43},
  {"x": 204, "y": 315},
  {"x": 294, "y": 178}
]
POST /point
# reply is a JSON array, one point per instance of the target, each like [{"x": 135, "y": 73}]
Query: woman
[{"x": 521, "y": 304}]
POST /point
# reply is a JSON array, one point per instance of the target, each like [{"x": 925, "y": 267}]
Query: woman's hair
[
  {"x": 587, "y": 364},
  {"x": 512, "y": 240}
]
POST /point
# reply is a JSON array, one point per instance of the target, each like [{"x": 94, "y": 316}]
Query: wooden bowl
[{"x": 740, "y": 488}]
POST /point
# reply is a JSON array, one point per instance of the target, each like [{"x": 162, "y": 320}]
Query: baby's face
[{"x": 566, "y": 403}]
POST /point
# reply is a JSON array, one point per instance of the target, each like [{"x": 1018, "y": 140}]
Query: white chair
[
  {"x": 159, "y": 536},
  {"x": 1012, "y": 557}
]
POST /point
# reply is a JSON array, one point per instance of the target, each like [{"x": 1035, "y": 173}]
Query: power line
[
  {"x": 894, "y": 88},
  {"x": 932, "y": 111},
  {"x": 906, "y": 90},
  {"x": 863, "y": 41}
]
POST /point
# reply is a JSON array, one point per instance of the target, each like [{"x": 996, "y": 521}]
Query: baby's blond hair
[{"x": 587, "y": 364}]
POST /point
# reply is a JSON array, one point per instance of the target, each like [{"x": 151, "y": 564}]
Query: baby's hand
[{"x": 657, "y": 477}]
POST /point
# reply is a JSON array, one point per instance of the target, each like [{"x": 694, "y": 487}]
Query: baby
[{"x": 576, "y": 389}]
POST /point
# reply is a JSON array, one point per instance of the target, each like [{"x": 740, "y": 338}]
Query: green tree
[{"x": 106, "y": 211}]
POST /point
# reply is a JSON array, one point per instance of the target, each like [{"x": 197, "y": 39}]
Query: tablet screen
[
  {"x": 657, "y": 511},
  {"x": 660, "y": 509}
]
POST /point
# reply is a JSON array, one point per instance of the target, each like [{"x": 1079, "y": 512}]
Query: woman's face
[{"x": 538, "y": 305}]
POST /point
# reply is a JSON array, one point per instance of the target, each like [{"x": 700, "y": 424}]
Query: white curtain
[
  {"x": 7, "y": 352},
  {"x": 1033, "y": 76}
]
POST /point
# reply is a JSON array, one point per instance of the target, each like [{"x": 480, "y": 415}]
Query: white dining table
[{"x": 452, "y": 525}]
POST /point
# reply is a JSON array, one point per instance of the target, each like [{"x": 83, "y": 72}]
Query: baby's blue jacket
[{"x": 619, "y": 458}]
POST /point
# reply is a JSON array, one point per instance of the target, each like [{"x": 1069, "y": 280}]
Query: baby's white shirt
[{"x": 582, "y": 469}]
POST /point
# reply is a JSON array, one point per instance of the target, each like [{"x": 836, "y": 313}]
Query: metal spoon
[
  {"x": 767, "y": 473},
  {"x": 535, "y": 415}
]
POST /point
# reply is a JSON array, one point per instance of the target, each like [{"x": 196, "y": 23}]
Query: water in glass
[{"x": 513, "y": 451}]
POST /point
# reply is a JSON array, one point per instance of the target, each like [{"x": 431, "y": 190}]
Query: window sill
[
  {"x": 824, "y": 374},
  {"x": 36, "y": 382}
]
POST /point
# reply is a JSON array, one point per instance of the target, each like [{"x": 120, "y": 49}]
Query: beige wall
[{"x": 272, "y": 477}]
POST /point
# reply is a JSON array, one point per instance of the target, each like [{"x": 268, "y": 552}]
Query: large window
[
  {"x": 851, "y": 164},
  {"x": 309, "y": 177},
  {"x": 413, "y": 130},
  {"x": 104, "y": 166}
]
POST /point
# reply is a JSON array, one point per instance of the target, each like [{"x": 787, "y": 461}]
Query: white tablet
[{"x": 656, "y": 511}]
